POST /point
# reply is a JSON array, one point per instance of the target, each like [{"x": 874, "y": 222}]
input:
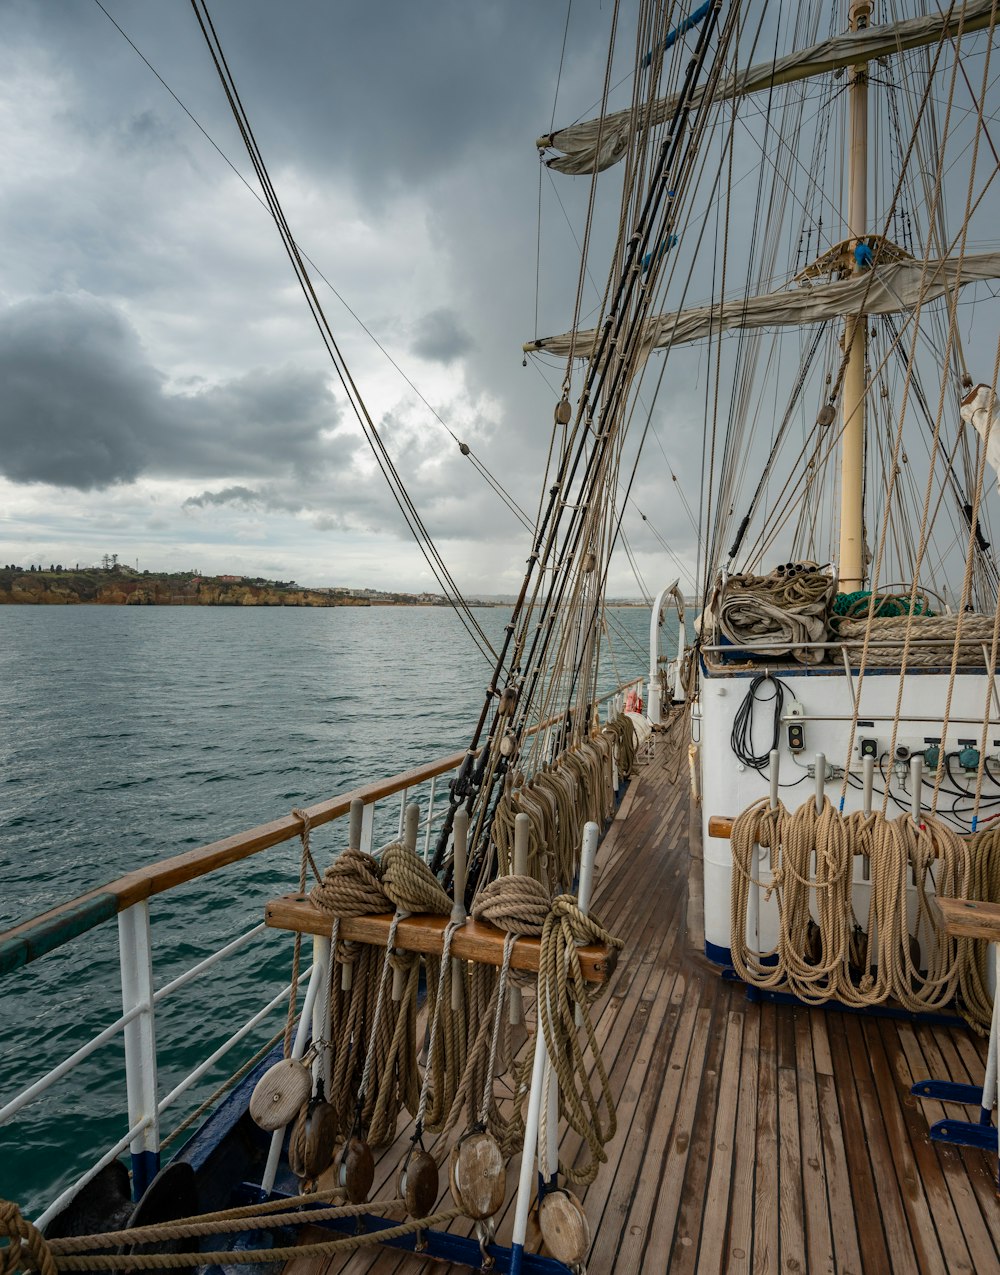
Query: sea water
[{"x": 130, "y": 734}]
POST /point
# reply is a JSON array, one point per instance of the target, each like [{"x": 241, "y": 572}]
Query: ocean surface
[{"x": 130, "y": 734}]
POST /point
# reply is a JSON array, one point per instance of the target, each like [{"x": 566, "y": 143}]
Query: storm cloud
[
  {"x": 84, "y": 408},
  {"x": 440, "y": 337}
]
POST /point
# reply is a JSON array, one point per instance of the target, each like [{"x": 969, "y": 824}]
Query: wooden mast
[{"x": 852, "y": 536}]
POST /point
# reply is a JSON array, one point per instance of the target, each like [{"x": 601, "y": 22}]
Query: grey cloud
[
  {"x": 83, "y": 407},
  {"x": 80, "y": 405},
  {"x": 440, "y": 338},
  {"x": 227, "y": 496}
]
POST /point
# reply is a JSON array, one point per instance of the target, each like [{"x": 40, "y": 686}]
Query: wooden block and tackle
[{"x": 474, "y": 941}]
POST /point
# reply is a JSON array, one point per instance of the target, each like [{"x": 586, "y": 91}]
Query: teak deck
[{"x": 752, "y": 1137}]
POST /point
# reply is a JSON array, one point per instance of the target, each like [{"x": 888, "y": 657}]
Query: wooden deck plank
[
  {"x": 705, "y": 1134},
  {"x": 819, "y": 1240},
  {"x": 791, "y": 1213},
  {"x": 738, "y": 1254},
  {"x": 932, "y": 1220},
  {"x": 883, "y": 1237},
  {"x": 938, "y": 1160},
  {"x": 905, "y": 1252},
  {"x": 712, "y": 1253},
  {"x": 661, "y": 1235},
  {"x": 626, "y": 1236},
  {"x": 766, "y": 1248}
]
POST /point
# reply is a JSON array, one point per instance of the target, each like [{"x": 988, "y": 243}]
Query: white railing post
[
  {"x": 136, "y": 959},
  {"x": 367, "y": 827},
  {"x": 430, "y": 819}
]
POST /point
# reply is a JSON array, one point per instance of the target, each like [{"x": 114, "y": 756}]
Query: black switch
[
  {"x": 869, "y": 748},
  {"x": 796, "y": 737}
]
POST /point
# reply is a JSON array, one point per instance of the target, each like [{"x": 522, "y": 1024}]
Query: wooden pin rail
[
  {"x": 474, "y": 941},
  {"x": 720, "y": 827},
  {"x": 968, "y": 918}
]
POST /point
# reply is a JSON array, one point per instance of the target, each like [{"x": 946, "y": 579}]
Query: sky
[{"x": 166, "y": 395}]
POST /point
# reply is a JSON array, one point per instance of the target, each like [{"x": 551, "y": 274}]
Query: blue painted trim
[
  {"x": 459, "y": 1249},
  {"x": 224, "y": 1119},
  {"x": 961, "y": 1133},
  {"x": 948, "y": 1091},
  {"x": 804, "y": 670},
  {"x": 145, "y": 1167},
  {"x": 723, "y": 957},
  {"x": 681, "y": 29}
]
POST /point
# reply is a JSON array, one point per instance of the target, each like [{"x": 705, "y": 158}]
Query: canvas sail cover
[
  {"x": 888, "y": 289},
  {"x": 588, "y": 147}
]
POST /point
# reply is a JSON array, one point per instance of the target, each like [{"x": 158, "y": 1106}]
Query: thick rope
[
  {"x": 822, "y": 952},
  {"x": 29, "y": 1250},
  {"x": 562, "y": 991}
]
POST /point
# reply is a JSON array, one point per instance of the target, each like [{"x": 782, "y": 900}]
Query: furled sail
[
  {"x": 588, "y": 146},
  {"x": 895, "y": 286}
]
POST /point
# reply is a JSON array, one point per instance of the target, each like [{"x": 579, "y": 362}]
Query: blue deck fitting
[
  {"x": 963, "y": 1133},
  {"x": 948, "y": 1091}
]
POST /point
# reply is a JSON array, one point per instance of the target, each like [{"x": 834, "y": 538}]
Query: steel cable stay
[{"x": 382, "y": 457}]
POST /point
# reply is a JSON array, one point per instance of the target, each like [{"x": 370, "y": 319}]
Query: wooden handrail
[{"x": 31, "y": 939}]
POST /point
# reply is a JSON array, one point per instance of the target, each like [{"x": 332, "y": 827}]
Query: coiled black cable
[{"x": 741, "y": 739}]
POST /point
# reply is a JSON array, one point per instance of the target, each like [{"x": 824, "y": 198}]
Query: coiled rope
[{"x": 822, "y": 953}]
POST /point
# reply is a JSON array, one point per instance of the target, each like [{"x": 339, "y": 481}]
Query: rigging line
[
  {"x": 729, "y": 443},
  {"x": 562, "y": 58},
  {"x": 538, "y": 247},
  {"x": 511, "y": 504},
  {"x": 406, "y": 506},
  {"x": 786, "y": 420},
  {"x": 685, "y": 571},
  {"x": 385, "y": 462},
  {"x": 608, "y": 365},
  {"x": 643, "y": 588}
]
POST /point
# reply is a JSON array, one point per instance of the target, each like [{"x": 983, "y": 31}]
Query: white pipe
[
  {"x": 989, "y": 1097},
  {"x": 135, "y": 954},
  {"x": 588, "y": 857},
  {"x": 321, "y": 1013},
  {"x": 354, "y": 826},
  {"x": 916, "y": 784},
  {"x": 411, "y": 822},
  {"x": 430, "y": 819},
  {"x": 868, "y": 782},
  {"x": 460, "y": 863},
  {"x": 820, "y": 781},
  {"x": 411, "y": 825},
  {"x": 526, "y": 1179}
]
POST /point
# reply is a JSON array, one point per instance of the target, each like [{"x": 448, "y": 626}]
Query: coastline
[{"x": 118, "y": 588}]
